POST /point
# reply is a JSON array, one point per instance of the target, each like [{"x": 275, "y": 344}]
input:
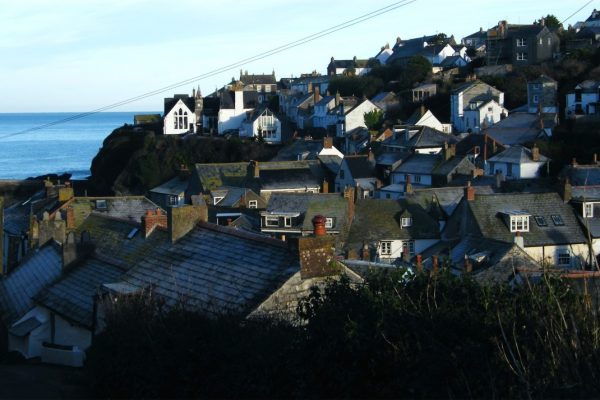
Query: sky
[{"x": 79, "y": 56}]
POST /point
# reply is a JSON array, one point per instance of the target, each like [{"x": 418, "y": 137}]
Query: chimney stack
[
  {"x": 469, "y": 192},
  {"x": 319, "y": 225},
  {"x": 181, "y": 220},
  {"x": 256, "y": 170},
  {"x": 151, "y": 221},
  {"x": 317, "y": 256},
  {"x": 317, "y": 94},
  {"x": 468, "y": 265},
  {"x": 327, "y": 142},
  {"x": 595, "y": 159},
  {"x": 366, "y": 253},
  {"x": 70, "y": 217},
  {"x": 435, "y": 267},
  {"x": 419, "y": 263},
  {"x": 567, "y": 192},
  {"x": 535, "y": 153},
  {"x": 325, "y": 186},
  {"x": 408, "y": 189},
  {"x": 574, "y": 162},
  {"x": 499, "y": 179},
  {"x": 519, "y": 240},
  {"x": 349, "y": 196}
]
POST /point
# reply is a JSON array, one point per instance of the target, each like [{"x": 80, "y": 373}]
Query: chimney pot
[
  {"x": 319, "y": 225},
  {"x": 469, "y": 192},
  {"x": 434, "y": 265},
  {"x": 468, "y": 265},
  {"x": 419, "y": 263}
]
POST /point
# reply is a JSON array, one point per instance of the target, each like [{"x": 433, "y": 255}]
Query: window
[
  {"x": 540, "y": 221},
  {"x": 521, "y": 42},
  {"x": 536, "y": 86},
  {"x": 253, "y": 204},
  {"x": 287, "y": 222},
  {"x": 174, "y": 200},
  {"x": 490, "y": 109},
  {"x": 217, "y": 199},
  {"x": 407, "y": 221},
  {"x": 557, "y": 219},
  {"x": 386, "y": 248},
  {"x": 410, "y": 245},
  {"x": 509, "y": 169},
  {"x": 521, "y": 56},
  {"x": 564, "y": 258},
  {"x": 101, "y": 205},
  {"x": 519, "y": 223},
  {"x": 328, "y": 223},
  {"x": 536, "y": 99},
  {"x": 541, "y": 41},
  {"x": 271, "y": 221},
  {"x": 417, "y": 178},
  {"x": 588, "y": 210},
  {"x": 387, "y": 196},
  {"x": 341, "y": 174}
]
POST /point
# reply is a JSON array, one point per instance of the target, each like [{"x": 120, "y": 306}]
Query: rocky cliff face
[{"x": 132, "y": 161}]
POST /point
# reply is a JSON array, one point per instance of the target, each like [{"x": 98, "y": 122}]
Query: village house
[
  {"x": 357, "y": 171},
  {"x": 424, "y": 117},
  {"x": 475, "y": 106},
  {"x": 542, "y": 224},
  {"x": 422, "y": 92},
  {"x": 518, "y": 162},
  {"x": 262, "y": 123},
  {"x": 265, "y": 85},
  {"x": 584, "y": 99},
  {"x": 179, "y": 116},
  {"x": 354, "y": 67}
]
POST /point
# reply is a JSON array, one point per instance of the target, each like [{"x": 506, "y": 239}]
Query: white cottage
[
  {"x": 179, "y": 115},
  {"x": 262, "y": 123}
]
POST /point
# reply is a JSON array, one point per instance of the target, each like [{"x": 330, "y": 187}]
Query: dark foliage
[{"x": 426, "y": 337}]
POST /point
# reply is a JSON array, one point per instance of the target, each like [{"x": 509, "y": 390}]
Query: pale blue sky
[{"x": 73, "y": 55}]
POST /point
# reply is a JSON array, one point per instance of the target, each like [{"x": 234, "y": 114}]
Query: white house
[
  {"x": 585, "y": 99},
  {"x": 264, "y": 123},
  {"x": 355, "y": 117},
  {"x": 179, "y": 115},
  {"x": 518, "y": 162},
  {"x": 474, "y": 103},
  {"x": 234, "y": 108}
]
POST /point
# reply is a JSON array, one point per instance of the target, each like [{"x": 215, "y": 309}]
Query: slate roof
[
  {"x": 261, "y": 79},
  {"x": 447, "y": 167},
  {"x": 517, "y": 128},
  {"x": 383, "y": 96},
  {"x": 331, "y": 162},
  {"x": 288, "y": 179},
  {"x": 467, "y": 145},
  {"x": 216, "y": 175},
  {"x": 309, "y": 149},
  {"x": 489, "y": 93},
  {"x": 174, "y": 186},
  {"x": 170, "y": 102},
  {"x": 256, "y": 113},
  {"x": 487, "y": 212},
  {"x": 516, "y": 155},
  {"x": 588, "y": 86},
  {"x": 448, "y": 198},
  {"x": 215, "y": 270},
  {"x": 359, "y": 166},
  {"x": 227, "y": 99},
  {"x": 423, "y": 138},
  {"x": 130, "y": 208},
  {"x": 231, "y": 195},
  {"x": 38, "y": 270},
  {"x": 582, "y": 175},
  {"x": 379, "y": 219},
  {"x": 423, "y": 164},
  {"x": 110, "y": 237},
  {"x": 16, "y": 217},
  {"x": 331, "y": 205},
  {"x": 72, "y": 296},
  {"x": 543, "y": 79}
]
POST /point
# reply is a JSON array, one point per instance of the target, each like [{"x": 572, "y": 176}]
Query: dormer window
[
  {"x": 557, "y": 219},
  {"x": 518, "y": 221},
  {"x": 253, "y": 204},
  {"x": 271, "y": 221},
  {"x": 328, "y": 223},
  {"x": 588, "y": 210},
  {"x": 405, "y": 222},
  {"x": 217, "y": 199}
]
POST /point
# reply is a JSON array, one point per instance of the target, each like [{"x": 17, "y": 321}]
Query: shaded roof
[
  {"x": 488, "y": 213},
  {"x": 213, "y": 176},
  {"x": 215, "y": 270},
  {"x": 420, "y": 137},
  {"x": 17, "y": 216},
  {"x": 72, "y": 296},
  {"x": 360, "y": 166},
  {"x": 588, "y": 86},
  {"x": 482, "y": 34},
  {"x": 467, "y": 145},
  {"x": 174, "y": 186},
  {"x": 446, "y": 167},
  {"x": 517, "y": 155},
  {"x": 582, "y": 175},
  {"x": 249, "y": 97},
  {"x": 518, "y": 128},
  {"x": 130, "y": 208},
  {"x": 543, "y": 79},
  {"x": 289, "y": 179},
  {"x": 331, "y": 162},
  {"x": 170, "y": 102},
  {"x": 38, "y": 270},
  {"x": 447, "y": 198},
  {"x": 419, "y": 164},
  {"x": 353, "y": 63},
  {"x": 383, "y": 96},
  {"x": 451, "y": 61},
  {"x": 258, "y": 79},
  {"x": 308, "y": 149},
  {"x": 379, "y": 219}
]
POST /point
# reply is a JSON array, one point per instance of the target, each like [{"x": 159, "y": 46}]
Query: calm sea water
[{"x": 66, "y": 147}]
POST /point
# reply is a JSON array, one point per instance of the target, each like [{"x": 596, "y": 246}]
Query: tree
[
  {"x": 552, "y": 22},
  {"x": 374, "y": 119}
]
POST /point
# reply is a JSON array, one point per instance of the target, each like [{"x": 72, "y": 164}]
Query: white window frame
[
  {"x": 217, "y": 199},
  {"x": 563, "y": 258},
  {"x": 385, "y": 248},
  {"x": 271, "y": 221},
  {"x": 406, "y": 222},
  {"x": 287, "y": 222},
  {"x": 519, "y": 223},
  {"x": 253, "y": 204},
  {"x": 521, "y": 42},
  {"x": 588, "y": 210},
  {"x": 173, "y": 200},
  {"x": 521, "y": 56},
  {"x": 328, "y": 222}
]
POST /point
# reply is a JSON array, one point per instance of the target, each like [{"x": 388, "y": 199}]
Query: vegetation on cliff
[{"x": 132, "y": 161}]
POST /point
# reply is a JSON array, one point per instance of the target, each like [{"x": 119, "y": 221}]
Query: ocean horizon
[{"x": 67, "y": 147}]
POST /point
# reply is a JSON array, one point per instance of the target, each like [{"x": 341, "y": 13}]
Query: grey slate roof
[
  {"x": 517, "y": 128},
  {"x": 360, "y": 166},
  {"x": 448, "y": 198},
  {"x": 16, "y": 217},
  {"x": 213, "y": 176},
  {"x": 423, "y": 164},
  {"x": 487, "y": 211},
  {"x": 129, "y": 208},
  {"x": 582, "y": 175},
  {"x": 17, "y": 289},
  {"x": 72, "y": 297},
  {"x": 174, "y": 186},
  {"x": 309, "y": 149},
  {"x": 331, "y": 162},
  {"x": 289, "y": 179},
  {"x": 516, "y": 155},
  {"x": 379, "y": 219},
  {"x": 215, "y": 269}
]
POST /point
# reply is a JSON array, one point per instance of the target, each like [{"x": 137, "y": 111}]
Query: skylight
[
  {"x": 540, "y": 221},
  {"x": 557, "y": 219}
]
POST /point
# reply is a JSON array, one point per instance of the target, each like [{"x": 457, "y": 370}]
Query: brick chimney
[
  {"x": 519, "y": 240},
  {"x": 535, "y": 153},
  {"x": 349, "y": 196},
  {"x": 317, "y": 94},
  {"x": 70, "y": 217},
  {"x": 256, "y": 170},
  {"x": 419, "y": 263},
  {"x": 318, "y": 222},
  {"x": 325, "y": 186},
  {"x": 365, "y": 253},
  {"x": 567, "y": 191},
  {"x": 468, "y": 265},
  {"x": 408, "y": 188},
  {"x": 469, "y": 192},
  {"x": 153, "y": 220},
  {"x": 182, "y": 220},
  {"x": 435, "y": 266},
  {"x": 317, "y": 256},
  {"x": 327, "y": 142},
  {"x": 449, "y": 151},
  {"x": 405, "y": 254},
  {"x": 371, "y": 156}
]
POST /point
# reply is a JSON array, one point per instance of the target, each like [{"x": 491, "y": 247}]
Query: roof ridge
[{"x": 243, "y": 234}]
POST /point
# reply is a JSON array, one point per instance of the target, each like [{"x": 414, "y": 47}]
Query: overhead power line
[
  {"x": 237, "y": 64},
  {"x": 579, "y": 9}
]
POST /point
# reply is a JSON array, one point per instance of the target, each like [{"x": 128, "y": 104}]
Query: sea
[{"x": 36, "y": 144}]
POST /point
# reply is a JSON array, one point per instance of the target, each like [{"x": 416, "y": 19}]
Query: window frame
[
  {"x": 521, "y": 56},
  {"x": 269, "y": 219},
  {"x": 557, "y": 220},
  {"x": 406, "y": 222},
  {"x": 562, "y": 257},
  {"x": 519, "y": 223},
  {"x": 385, "y": 248},
  {"x": 521, "y": 42},
  {"x": 253, "y": 204},
  {"x": 287, "y": 222},
  {"x": 588, "y": 210},
  {"x": 217, "y": 199},
  {"x": 328, "y": 222}
]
